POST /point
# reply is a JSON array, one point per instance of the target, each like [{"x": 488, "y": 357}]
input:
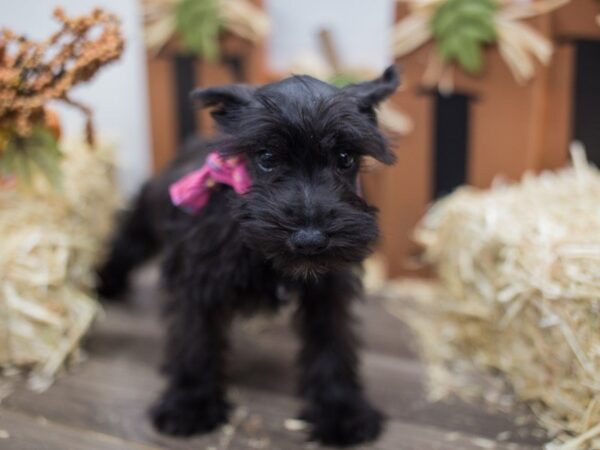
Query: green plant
[
  {"x": 461, "y": 28},
  {"x": 22, "y": 156},
  {"x": 343, "y": 79},
  {"x": 199, "y": 23}
]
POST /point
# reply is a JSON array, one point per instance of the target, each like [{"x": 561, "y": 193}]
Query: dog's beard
[
  {"x": 307, "y": 267},
  {"x": 303, "y": 267},
  {"x": 267, "y": 220}
]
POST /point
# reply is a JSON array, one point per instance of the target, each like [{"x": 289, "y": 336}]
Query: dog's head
[{"x": 304, "y": 141}]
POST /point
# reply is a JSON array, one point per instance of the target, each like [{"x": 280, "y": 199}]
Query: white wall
[
  {"x": 117, "y": 93},
  {"x": 360, "y": 30}
]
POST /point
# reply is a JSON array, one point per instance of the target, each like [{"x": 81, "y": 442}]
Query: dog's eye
[
  {"x": 345, "y": 161},
  {"x": 266, "y": 161}
]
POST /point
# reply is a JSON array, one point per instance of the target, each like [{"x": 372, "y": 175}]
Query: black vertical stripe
[
  {"x": 450, "y": 142},
  {"x": 586, "y": 123},
  {"x": 185, "y": 80}
]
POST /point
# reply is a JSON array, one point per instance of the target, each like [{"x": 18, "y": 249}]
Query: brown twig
[{"x": 33, "y": 73}]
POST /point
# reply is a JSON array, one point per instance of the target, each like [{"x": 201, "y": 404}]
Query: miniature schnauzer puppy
[{"x": 274, "y": 203}]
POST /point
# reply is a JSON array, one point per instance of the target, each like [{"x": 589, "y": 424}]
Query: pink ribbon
[{"x": 192, "y": 192}]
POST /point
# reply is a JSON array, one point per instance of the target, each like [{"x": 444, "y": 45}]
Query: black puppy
[{"x": 302, "y": 225}]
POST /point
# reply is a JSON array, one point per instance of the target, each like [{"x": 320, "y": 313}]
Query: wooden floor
[{"x": 102, "y": 403}]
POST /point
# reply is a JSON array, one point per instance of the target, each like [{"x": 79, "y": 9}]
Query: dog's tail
[{"x": 134, "y": 243}]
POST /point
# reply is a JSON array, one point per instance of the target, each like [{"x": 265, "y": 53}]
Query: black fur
[{"x": 302, "y": 226}]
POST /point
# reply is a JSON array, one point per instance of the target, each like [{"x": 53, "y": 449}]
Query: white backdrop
[
  {"x": 360, "y": 29},
  {"x": 118, "y": 93}
]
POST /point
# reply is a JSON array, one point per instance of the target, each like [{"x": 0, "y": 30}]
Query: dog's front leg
[
  {"x": 336, "y": 407},
  {"x": 194, "y": 400}
]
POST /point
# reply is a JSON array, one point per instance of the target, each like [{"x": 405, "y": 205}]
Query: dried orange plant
[{"x": 33, "y": 73}]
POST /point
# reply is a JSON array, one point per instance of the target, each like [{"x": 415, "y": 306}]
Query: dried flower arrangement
[
  {"x": 518, "y": 292},
  {"x": 50, "y": 238},
  {"x": 35, "y": 73},
  {"x": 461, "y": 29}
]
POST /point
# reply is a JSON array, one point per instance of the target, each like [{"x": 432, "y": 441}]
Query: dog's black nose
[{"x": 309, "y": 241}]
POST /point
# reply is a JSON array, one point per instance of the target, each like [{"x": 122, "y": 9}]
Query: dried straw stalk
[
  {"x": 49, "y": 242},
  {"x": 518, "y": 291}
]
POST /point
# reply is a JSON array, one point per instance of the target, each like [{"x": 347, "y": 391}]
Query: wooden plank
[
  {"x": 111, "y": 392},
  {"x": 392, "y": 373},
  {"x": 23, "y": 432},
  {"x": 210, "y": 74},
  {"x": 115, "y": 405},
  {"x": 396, "y": 384},
  {"x": 404, "y": 190},
  {"x": 558, "y": 120},
  {"x": 163, "y": 110},
  {"x": 507, "y": 120},
  {"x": 90, "y": 396},
  {"x": 269, "y": 409},
  {"x": 408, "y": 436},
  {"x": 397, "y": 435},
  {"x": 578, "y": 19},
  {"x": 256, "y": 65}
]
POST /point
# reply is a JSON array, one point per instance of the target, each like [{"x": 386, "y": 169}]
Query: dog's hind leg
[{"x": 133, "y": 243}]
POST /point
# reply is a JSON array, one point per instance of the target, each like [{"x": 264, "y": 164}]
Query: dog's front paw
[
  {"x": 181, "y": 413},
  {"x": 345, "y": 423}
]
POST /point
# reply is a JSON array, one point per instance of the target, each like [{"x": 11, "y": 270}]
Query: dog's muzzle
[{"x": 308, "y": 241}]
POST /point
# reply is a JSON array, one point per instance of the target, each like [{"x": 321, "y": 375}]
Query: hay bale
[
  {"x": 49, "y": 242},
  {"x": 519, "y": 292}
]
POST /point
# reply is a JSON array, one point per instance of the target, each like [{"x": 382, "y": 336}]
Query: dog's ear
[
  {"x": 370, "y": 93},
  {"x": 229, "y": 102}
]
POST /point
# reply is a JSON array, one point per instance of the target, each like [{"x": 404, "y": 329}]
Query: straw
[
  {"x": 49, "y": 243},
  {"x": 518, "y": 292}
]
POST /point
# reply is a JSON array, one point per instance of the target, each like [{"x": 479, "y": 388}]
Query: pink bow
[{"x": 192, "y": 192}]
